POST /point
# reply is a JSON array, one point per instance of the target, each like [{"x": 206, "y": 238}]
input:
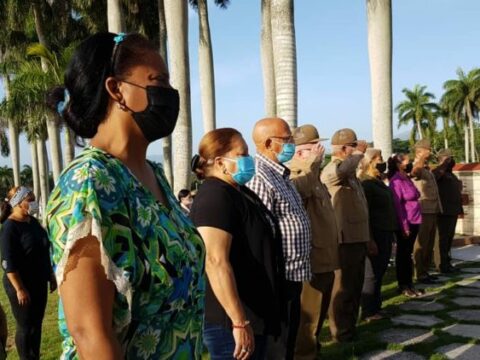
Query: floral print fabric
[{"x": 152, "y": 253}]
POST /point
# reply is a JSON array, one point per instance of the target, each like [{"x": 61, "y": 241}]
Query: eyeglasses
[{"x": 286, "y": 139}]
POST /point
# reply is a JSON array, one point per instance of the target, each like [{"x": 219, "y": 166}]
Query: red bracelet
[{"x": 241, "y": 326}]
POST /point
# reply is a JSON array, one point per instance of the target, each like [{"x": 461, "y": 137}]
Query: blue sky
[{"x": 431, "y": 39}]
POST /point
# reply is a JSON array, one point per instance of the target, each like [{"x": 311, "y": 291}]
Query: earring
[{"x": 121, "y": 106}]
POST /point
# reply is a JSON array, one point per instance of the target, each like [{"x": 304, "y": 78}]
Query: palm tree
[
  {"x": 6, "y": 180},
  {"x": 12, "y": 47},
  {"x": 207, "y": 77},
  {"x": 284, "y": 59},
  {"x": 26, "y": 176},
  {"x": 26, "y": 101},
  {"x": 177, "y": 30},
  {"x": 462, "y": 97},
  {"x": 205, "y": 57},
  {"x": 418, "y": 109},
  {"x": 48, "y": 61},
  {"x": 167, "y": 141},
  {"x": 379, "y": 15},
  {"x": 268, "y": 68},
  {"x": 13, "y": 136},
  {"x": 116, "y": 20}
]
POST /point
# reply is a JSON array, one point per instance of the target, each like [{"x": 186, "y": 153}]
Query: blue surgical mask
[
  {"x": 288, "y": 150},
  {"x": 245, "y": 169}
]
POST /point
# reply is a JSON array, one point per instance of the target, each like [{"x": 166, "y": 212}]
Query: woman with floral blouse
[{"x": 129, "y": 263}]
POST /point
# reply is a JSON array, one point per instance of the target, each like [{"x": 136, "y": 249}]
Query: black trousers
[
  {"x": 375, "y": 268},
  {"x": 284, "y": 346},
  {"x": 28, "y": 318},
  {"x": 404, "y": 262},
  {"x": 446, "y": 225}
]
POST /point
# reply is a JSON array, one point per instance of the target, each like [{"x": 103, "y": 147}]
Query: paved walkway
[{"x": 443, "y": 324}]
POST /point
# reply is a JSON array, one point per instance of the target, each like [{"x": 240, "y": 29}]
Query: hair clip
[
  {"x": 119, "y": 38},
  {"x": 62, "y": 105}
]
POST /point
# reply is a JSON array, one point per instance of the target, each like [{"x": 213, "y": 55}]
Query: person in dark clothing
[
  {"x": 383, "y": 224},
  {"x": 243, "y": 253},
  {"x": 450, "y": 191},
  {"x": 26, "y": 263}
]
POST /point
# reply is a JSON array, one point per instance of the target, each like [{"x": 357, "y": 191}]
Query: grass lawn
[{"x": 51, "y": 341}]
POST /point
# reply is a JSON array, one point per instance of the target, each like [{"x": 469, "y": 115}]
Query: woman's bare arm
[{"x": 87, "y": 296}]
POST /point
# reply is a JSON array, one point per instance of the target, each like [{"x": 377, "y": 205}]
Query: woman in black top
[
  {"x": 242, "y": 260},
  {"x": 26, "y": 263},
  {"x": 383, "y": 224}
]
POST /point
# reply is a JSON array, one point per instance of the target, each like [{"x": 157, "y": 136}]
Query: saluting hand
[
  {"x": 317, "y": 151},
  {"x": 362, "y": 146}
]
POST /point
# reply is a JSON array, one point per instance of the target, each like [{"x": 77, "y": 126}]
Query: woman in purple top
[{"x": 407, "y": 208}]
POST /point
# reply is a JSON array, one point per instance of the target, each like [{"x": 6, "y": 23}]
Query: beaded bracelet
[{"x": 241, "y": 326}]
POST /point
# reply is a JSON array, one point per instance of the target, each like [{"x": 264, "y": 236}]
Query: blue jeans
[{"x": 221, "y": 345}]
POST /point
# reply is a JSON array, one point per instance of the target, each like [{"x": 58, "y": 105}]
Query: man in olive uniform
[
  {"x": 316, "y": 293},
  {"x": 351, "y": 212},
  {"x": 450, "y": 191},
  {"x": 430, "y": 206}
]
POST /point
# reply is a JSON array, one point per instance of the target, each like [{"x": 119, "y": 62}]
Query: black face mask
[
  {"x": 409, "y": 168},
  {"x": 160, "y": 116},
  {"x": 381, "y": 167}
]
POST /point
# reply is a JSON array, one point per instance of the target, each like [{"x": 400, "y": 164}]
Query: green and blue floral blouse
[{"x": 152, "y": 253}]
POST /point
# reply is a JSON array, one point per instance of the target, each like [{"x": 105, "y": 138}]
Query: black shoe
[
  {"x": 426, "y": 280},
  {"x": 453, "y": 269}
]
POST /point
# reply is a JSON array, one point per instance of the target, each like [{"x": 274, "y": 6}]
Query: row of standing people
[
  {"x": 353, "y": 223},
  {"x": 130, "y": 264}
]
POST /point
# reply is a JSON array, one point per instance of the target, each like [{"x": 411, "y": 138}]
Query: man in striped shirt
[{"x": 274, "y": 143}]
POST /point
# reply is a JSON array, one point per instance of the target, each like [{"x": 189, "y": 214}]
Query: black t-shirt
[
  {"x": 255, "y": 253},
  {"x": 25, "y": 249}
]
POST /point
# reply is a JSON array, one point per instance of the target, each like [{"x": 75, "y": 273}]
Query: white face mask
[{"x": 33, "y": 207}]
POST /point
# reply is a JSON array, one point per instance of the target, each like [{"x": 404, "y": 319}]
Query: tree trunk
[
  {"x": 37, "y": 14},
  {"x": 14, "y": 151},
  {"x": 166, "y": 142},
  {"x": 13, "y": 139},
  {"x": 285, "y": 59},
  {"x": 177, "y": 30},
  {"x": 55, "y": 148},
  {"x": 69, "y": 146},
  {"x": 52, "y": 125},
  {"x": 467, "y": 143},
  {"x": 43, "y": 177},
  {"x": 445, "y": 132},
  {"x": 35, "y": 175},
  {"x": 472, "y": 133},
  {"x": 419, "y": 130},
  {"x": 47, "y": 167},
  {"x": 379, "y": 17},
  {"x": 268, "y": 69},
  {"x": 116, "y": 21},
  {"x": 207, "y": 77}
]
